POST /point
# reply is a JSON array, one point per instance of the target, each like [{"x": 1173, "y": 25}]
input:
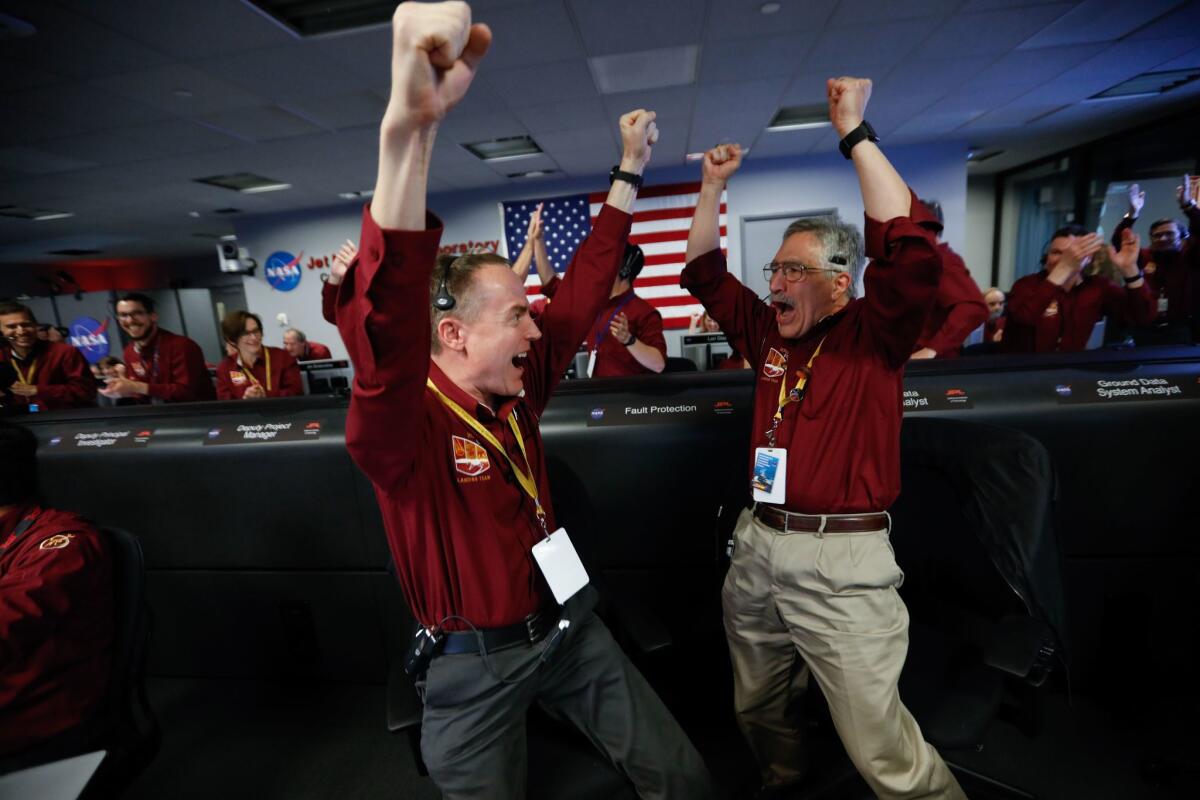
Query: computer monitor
[
  {"x": 326, "y": 375},
  {"x": 706, "y": 350}
]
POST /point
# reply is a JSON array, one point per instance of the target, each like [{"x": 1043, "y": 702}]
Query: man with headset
[
  {"x": 1170, "y": 264},
  {"x": 813, "y": 572},
  {"x": 451, "y": 376},
  {"x": 1055, "y": 310},
  {"x": 626, "y": 337}
]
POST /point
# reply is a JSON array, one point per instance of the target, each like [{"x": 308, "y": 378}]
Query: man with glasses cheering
[
  {"x": 42, "y": 375},
  {"x": 161, "y": 367},
  {"x": 813, "y": 571}
]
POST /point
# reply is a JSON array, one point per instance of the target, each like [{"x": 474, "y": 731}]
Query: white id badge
[
  {"x": 591, "y": 363},
  {"x": 560, "y": 565},
  {"x": 1162, "y": 304},
  {"x": 770, "y": 475}
]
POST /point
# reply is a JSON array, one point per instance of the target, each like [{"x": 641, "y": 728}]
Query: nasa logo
[
  {"x": 90, "y": 338},
  {"x": 283, "y": 270},
  {"x": 214, "y": 433},
  {"x": 54, "y": 442},
  {"x": 597, "y": 413},
  {"x": 1063, "y": 390}
]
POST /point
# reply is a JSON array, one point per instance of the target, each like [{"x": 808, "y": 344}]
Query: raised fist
[
  {"x": 435, "y": 51},
  {"x": 720, "y": 163},
  {"x": 847, "y": 102},
  {"x": 1137, "y": 199},
  {"x": 638, "y": 136}
]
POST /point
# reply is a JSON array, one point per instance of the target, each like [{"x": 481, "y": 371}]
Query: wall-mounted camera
[{"x": 234, "y": 258}]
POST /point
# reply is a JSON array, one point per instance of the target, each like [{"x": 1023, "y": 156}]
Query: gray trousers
[{"x": 473, "y": 730}]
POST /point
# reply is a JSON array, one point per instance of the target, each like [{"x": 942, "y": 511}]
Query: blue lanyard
[{"x": 604, "y": 331}]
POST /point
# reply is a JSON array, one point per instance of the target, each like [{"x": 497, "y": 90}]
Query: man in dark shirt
[
  {"x": 957, "y": 308},
  {"x": 160, "y": 366},
  {"x": 49, "y": 375},
  {"x": 451, "y": 377},
  {"x": 56, "y": 607},
  {"x": 813, "y": 571},
  {"x": 1171, "y": 265},
  {"x": 1056, "y": 309}
]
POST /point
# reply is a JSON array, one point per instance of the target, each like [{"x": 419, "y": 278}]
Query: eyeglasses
[
  {"x": 793, "y": 271},
  {"x": 132, "y": 315},
  {"x": 255, "y": 332}
]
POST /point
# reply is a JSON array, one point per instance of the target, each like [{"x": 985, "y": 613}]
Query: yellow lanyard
[
  {"x": 523, "y": 478},
  {"x": 795, "y": 395},
  {"x": 27, "y": 377},
  {"x": 250, "y": 375}
]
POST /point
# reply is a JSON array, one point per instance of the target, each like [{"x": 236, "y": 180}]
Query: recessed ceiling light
[
  {"x": 193, "y": 213},
  {"x": 245, "y": 182},
  {"x": 976, "y": 156},
  {"x": 356, "y": 195},
  {"x": 645, "y": 69},
  {"x": 798, "y": 118},
  {"x": 1147, "y": 84},
  {"x": 770, "y": 8},
  {"x": 503, "y": 149}
]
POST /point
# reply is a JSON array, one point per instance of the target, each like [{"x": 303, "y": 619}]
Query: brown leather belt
[{"x": 789, "y": 522}]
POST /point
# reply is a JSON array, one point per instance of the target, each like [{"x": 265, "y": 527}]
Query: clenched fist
[
  {"x": 638, "y": 136},
  {"x": 435, "y": 50},
  {"x": 720, "y": 163},
  {"x": 847, "y": 102}
]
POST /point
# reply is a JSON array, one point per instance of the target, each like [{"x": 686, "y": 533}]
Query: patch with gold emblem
[{"x": 56, "y": 542}]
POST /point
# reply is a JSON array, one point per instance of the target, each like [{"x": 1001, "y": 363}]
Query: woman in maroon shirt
[{"x": 253, "y": 371}]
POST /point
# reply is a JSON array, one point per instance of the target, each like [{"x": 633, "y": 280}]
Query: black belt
[{"x": 529, "y": 631}]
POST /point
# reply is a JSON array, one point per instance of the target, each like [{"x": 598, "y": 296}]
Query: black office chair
[
  {"x": 676, "y": 364},
  {"x": 973, "y": 532},
  {"x": 124, "y": 725}
]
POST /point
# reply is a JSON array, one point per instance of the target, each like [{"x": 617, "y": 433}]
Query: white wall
[
  {"x": 981, "y": 226},
  {"x": 766, "y": 186}
]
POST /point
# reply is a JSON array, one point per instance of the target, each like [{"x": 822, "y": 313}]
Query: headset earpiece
[{"x": 443, "y": 300}]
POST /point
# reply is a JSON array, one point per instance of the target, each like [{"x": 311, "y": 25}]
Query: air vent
[
  {"x": 533, "y": 173},
  {"x": 1148, "y": 84},
  {"x": 501, "y": 149},
  {"x": 798, "y": 118},
  {"x": 326, "y": 16},
  {"x": 74, "y": 251},
  {"x": 36, "y": 214},
  {"x": 245, "y": 182},
  {"x": 227, "y": 211}
]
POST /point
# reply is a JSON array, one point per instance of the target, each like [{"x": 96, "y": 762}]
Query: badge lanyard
[
  {"x": 525, "y": 479},
  {"x": 795, "y": 395},
  {"x": 26, "y": 377},
  {"x": 153, "y": 372},
  {"x": 250, "y": 375},
  {"x": 22, "y": 526},
  {"x": 605, "y": 330}
]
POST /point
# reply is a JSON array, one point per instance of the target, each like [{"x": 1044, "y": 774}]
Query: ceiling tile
[
  {"x": 158, "y": 88},
  {"x": 537, "y": 85},
  {"x": 565, "y": 115},
  {"x": 1099, "y": 21},
  {"x": 990, "y": 32},
  {"x": 274, "y": 71},
  {"x": 856, "y": 12},
  {"x": 875, "y": 49},
  {"x": 743, "y": 59},
  {"x": 738, "y": 19},
  {"x": 530, "y": 33},
  {"x": 1184, "y": 18},
  {"x": 626, "y": 26},
  {"x": 337, "y": 111}
]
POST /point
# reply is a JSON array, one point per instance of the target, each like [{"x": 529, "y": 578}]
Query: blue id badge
[{"x": 769, "y": 481}]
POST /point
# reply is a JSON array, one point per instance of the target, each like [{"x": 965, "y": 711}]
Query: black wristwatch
[
  {"x": 631, "y": 340},
  {"x": 863, "y": 131},
  {"x": 617, "y": 174},
  {"x": 1135, "y": 278}
]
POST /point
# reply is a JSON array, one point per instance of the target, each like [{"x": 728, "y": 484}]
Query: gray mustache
[{"x": 780, "y": 297}]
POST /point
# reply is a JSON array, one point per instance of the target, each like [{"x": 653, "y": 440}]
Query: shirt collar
[
  {"x": 150, "y": 345},
  {"x": 464, "y": 399},
  {"x": 9, "y": 523}
]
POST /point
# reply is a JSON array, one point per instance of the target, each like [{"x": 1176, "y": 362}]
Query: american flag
[{"x": 661, "y": 218}]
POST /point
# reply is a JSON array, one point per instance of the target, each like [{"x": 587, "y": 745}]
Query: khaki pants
[{"x": 832, "y": 598}]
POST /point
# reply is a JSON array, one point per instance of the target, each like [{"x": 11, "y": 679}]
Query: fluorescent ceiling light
[
  {"x": 35, "y": 214},
  {"x": 645, "y": 69},
  {"x": 505, "y": 149},
  {"x": 356, "y": 195},
  {"x": 799, "y": 118},
  {"x": 976, "y": 156},
  {"x": 326, "y": 16},
  {"x": 533, "y": 173},
  {"x": 245, "y": 182},
  {"x": 1148, "y": 84}
]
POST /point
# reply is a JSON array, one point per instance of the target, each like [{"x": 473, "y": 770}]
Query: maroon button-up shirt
[
  {"x": 232, "y": 380},
  {"x": 56, "y": 624},
  {"x": 1172, "y": 274},
  {"x": 1044, "y": 317},
  {"x": 172, "y": 367},
  {"x": 843, "y": 438},
  {"x": 459, "y": 526},
  {"x": 958, "y": 308},
  {"x": 60, "y": 373}
]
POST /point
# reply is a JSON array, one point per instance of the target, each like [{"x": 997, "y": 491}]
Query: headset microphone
[{"x": 443, "y": 300}]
